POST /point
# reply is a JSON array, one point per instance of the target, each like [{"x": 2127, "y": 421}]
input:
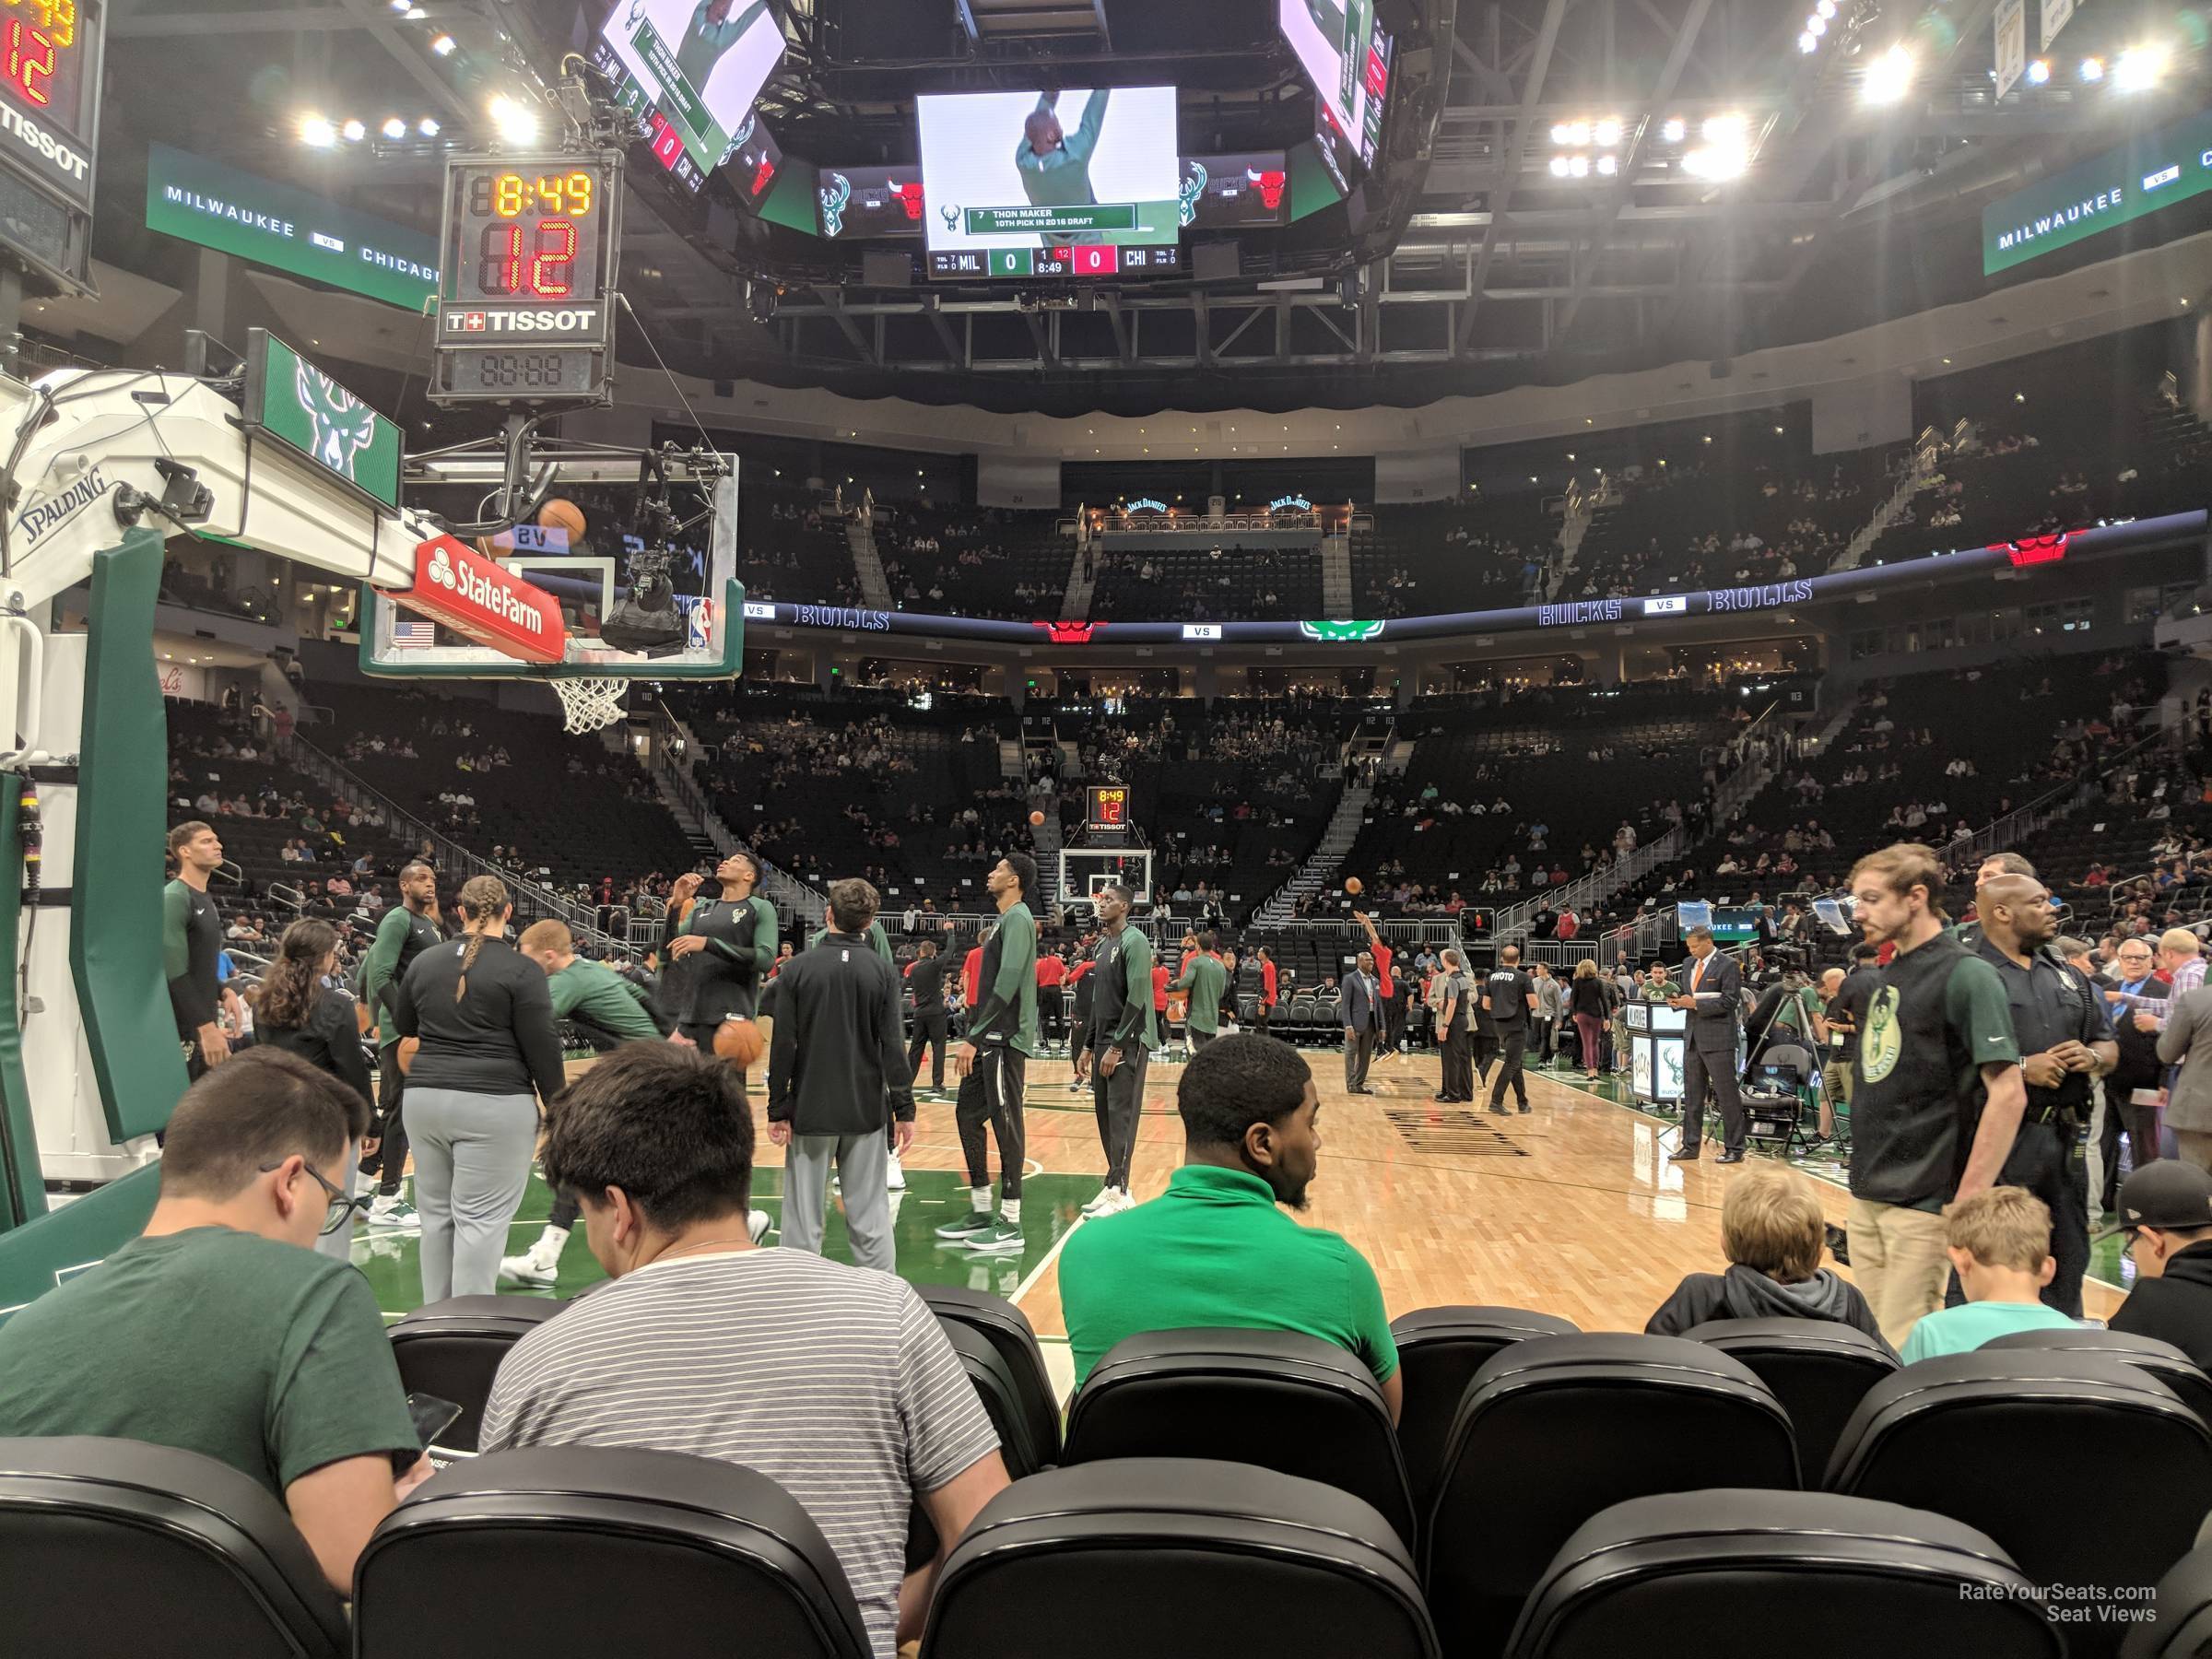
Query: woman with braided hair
[{"x": 484, "y": 1019}]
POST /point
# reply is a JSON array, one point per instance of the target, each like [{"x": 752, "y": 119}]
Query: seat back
[
  {"x": 563, "y": 1549},
  {"x": 1440, "y": 1350},
  {"x": 453, "y": 1350},
  {"x": 1009, "y": 1331},
  {"x": 1847, "y": 1577},
  {"x": 1555, "y": 1428},
  {"x": 1818, "y": 1368},
  {"x": 114, "y": 1547},
  {"x": 1168, "y": 1393},
  {"x": 2163, "y": 1361},
  {"x": 2178, "y": 1622},
  {"x": 2031, "y": 1447},
  {"x": 1178, "y": 1559},
  {"x": 1004, "y": 1403}
]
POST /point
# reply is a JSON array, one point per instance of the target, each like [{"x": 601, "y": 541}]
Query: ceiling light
[
  {"x": 514, "y": 122},
  {"x": 1559, "y": 167},
  {"x": 443, "y": 44},
  {"x": 1826, "y": 8},
  {"x": 1816, "y": 26},
  {"x": 1608, "y": 165},
  {"x": 317, "y": 132},
  {"x": 2092, "y": 69},
  {"x": 1559, "y": 133},
  {"x": 427, "y": 126},
  {"x": 394, "y": 127},
  {"x": 1718, "y": 129},
  {"x": 355, "y": 132},
  {"x": 1807, "y": 43},
  {"x": 1606, "y": 133},
  {"x": 2039, "y": 72},
  {"x": 1674, "y": 129},
  {"x": 1579, "y": 167},
  {"x": 401, "y": 6},
  {"x": 1889, "y": 76},
  {"x": 1578, "y": 131},
  {"x": 415, "y": 14},
  {"x": 2138, "y": 69}
]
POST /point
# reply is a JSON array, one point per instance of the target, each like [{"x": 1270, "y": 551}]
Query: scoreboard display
[
  {"x": 1082, "y": 259},
  {"x": 526, "y": 271},
  {"x": 50, "y": 75},
  {"x": 1107, "y": 808}
]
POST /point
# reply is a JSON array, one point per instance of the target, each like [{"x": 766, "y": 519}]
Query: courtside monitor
[
  {"x": 1036, "y": 169},
  {"x": 1347, "y": 59},
  {"x": 699, "y": 64}
]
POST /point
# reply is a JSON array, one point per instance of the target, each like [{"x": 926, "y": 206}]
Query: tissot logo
[
  {"x": 579, "y": 319},
  {"x": 54, "y": 151}
]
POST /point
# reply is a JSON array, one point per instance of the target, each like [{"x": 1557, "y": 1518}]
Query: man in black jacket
[
  {"x": 2166, "y": 1211},
  {"x": 837, "y": 1075},
  {"x": 925, "y": 978},
  {"x": 2137, "y": 1000}
]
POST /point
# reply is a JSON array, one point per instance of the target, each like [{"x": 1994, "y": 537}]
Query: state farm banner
[{"x": 457, "y": 587}]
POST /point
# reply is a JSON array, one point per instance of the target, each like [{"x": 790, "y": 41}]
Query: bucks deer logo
[
  {"x": 834, "y": 196},
  {"x": 1882, "y": 1041},
  {"x": 1194, "y": 186},
  {"x": 1340, "y": 633},
  {"x": 344, "y": 425}
]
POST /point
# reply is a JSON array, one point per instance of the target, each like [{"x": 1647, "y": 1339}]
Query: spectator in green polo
[
  {"x": 588, "y": 993},
  {"x": 1215, "y": 1249},
  {"x": 1206, "y": 980}
]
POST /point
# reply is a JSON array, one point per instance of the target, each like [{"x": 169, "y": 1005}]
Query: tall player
[
  {"x": 404, "y": 933},
  {"x": 1118, "y": 1044},
  {"x": 191, "y": 938},
  {"x": 720, "y": 947},
  {"x": 994, "y": 1061}
]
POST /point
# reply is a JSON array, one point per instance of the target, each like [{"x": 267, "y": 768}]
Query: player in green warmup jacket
[
  {"x": 1207, "y": 982},
  {"x": 1054, "y": 165},
  {"x": 993, "y": 1062}
]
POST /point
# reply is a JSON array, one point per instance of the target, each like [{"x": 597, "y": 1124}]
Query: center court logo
[{"x": 1881, "y": 1042}]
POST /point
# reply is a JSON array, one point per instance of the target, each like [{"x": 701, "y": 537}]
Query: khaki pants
[
  {"x": 1896, "y": 1255},
  {"x": 2195, "y": 1145}
]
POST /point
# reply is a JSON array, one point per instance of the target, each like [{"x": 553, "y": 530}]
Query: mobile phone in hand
[{"x": 432, "y": 1417}]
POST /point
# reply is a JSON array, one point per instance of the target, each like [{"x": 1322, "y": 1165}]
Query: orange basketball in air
[
  {"x": 1353, "y": 885},
  {"x": 1035, "y": 818},
  {"x": 559, "y": 514},
  {"x": 739, "y": 1039}
]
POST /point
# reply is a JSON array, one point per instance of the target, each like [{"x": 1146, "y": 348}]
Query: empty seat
[
  {"x": 2177, "y": 1622},
  {"x": 113, "y": 1550},
  {"x": 453, "y": 1350},
  {"x": 2036, "y": 1448},
  {"x": 1036, "y": 1408},
  {"x": 1722, "y": 1573},
  {"x": 1440, "y": 1350},
  {"x": 1177, "y": 1559},
  {"x": 1170, "y": 1393},
  {"x": 2161, "y": 1359},
  {"x": 576, "y": 1549},
  {"x": 1555, "y": 1428},
  {"x": 1818, "y": 1368}
]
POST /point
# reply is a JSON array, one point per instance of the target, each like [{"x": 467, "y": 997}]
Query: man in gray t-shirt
[{"x": 835, "y": 1382}]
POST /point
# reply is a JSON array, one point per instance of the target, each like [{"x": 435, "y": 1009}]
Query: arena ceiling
[{"x": 1486, "y": 265}]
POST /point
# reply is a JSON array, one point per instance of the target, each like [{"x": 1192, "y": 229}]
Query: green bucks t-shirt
[
  {"x": 264, "y": 1356},
  {"x": 1206, "y": 980}
]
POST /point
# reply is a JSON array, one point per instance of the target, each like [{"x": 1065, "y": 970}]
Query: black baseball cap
[{"x": 2171, "y": 1194}]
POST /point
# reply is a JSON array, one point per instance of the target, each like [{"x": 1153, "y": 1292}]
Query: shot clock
[
  {"x": 1107, "y": 813},
  {"x": 526, "y": 269},
  {"x": 50, "y": 72}
]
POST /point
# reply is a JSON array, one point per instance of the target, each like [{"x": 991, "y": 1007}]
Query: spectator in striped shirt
[{"x": 834, "y": 1381}]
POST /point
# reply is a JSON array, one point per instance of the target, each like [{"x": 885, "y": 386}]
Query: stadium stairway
[
  {"x": 1892, "y": 508},
  {"x": 1582, "y": 507},
  {"x": 1082, "y": 579},
  {"x": 1337, "y": 573},
  {"x": 1322, "y": 864},
  {"x": 1044, "y": 843},
  {"x": 859, "y": 536}
]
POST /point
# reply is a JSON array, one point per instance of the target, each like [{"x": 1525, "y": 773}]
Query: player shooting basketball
[
  {"x": 1054, "y": 164},
  {"x": 725, "y": 944}
]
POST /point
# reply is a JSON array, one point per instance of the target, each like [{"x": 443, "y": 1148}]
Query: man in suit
[
  {"x": 1713, "y": 997},
  {"x": 1363, "y": 1019}
]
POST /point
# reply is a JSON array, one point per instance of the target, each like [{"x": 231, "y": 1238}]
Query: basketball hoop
[{"x": 591, "y": 704}]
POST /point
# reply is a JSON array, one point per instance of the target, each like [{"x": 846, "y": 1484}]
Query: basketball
[
  {"x": 739, "y": 1039},
  {"x": 1035, "y": 818},
  {"x": 1353, "y": 885},
  {"x": 560, "y": 513}
]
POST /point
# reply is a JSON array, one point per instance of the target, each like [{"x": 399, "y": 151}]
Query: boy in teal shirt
[{"x": 1999, "y": 1243}]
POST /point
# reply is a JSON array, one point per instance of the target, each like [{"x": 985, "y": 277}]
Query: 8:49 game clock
[{"x": 525, "y": 280}]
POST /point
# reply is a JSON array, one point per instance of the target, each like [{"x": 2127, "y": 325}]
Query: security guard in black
[{"x": 2065, "y": 1039}]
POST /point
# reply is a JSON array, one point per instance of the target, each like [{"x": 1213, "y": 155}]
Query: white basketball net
[{"x": 591, "y": 704}]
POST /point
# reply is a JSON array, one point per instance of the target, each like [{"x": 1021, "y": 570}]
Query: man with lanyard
[
  {"x": 407, "y": 931},
  {"x": 1393, "y": 1008},
  {"x": 1456, "y": 992},
  {"x": 1509, "y": 996},
  {"x": 192, "y": 940},
  {"x": 726, "y": 946},
  {"x": 609, "y": 1010},
  {"x": 1937, "y": 1091},
  {"x": 2137, "y": 1003},
  {"x": 2064, "y": 1041},
  {"x": 1118, "y": 1043},
  {"x": 993, "y": 1062},
  {"x": 1206, "y": 981}
]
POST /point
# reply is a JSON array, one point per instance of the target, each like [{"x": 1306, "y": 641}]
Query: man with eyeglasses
[
  {"x": 221, "y": 1329},
  {"x": 2166, "y": 1212},
  {"x": 2138, "y": 1001}
]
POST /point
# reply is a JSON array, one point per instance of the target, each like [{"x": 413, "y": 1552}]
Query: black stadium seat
[
  {"x": 574, "y": 1549},
  {"x": 1009, "y": 1331},
  {"x": 1440, "y": 1350},
  {"x": 1818, "y": 1368},
  {"x": 1182, "y": 1393},
  {"x": 1178, "y": 1559},
  {"x": 2161, "y": 1359},
  {"x": 1722, "y": 1573},
  {"x": 2176, "y": 1623},
  {"x": 1555, "y": 1428},
  {"x": 453, "y": 1350},
  {"x": 111, "y": 1549},
  {"x": 2089, "y": 1472}
]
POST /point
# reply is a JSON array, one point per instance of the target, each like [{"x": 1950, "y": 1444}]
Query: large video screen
[
  {"x": 1348, "y": 58},
  {"x": 1029, "y": 169},
  {"x": 699, "y": 63}
]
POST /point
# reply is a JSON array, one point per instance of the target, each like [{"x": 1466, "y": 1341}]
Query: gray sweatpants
[
  {"x": 863, "y": 1164},
  {"x": 471, "y": 1163}
]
